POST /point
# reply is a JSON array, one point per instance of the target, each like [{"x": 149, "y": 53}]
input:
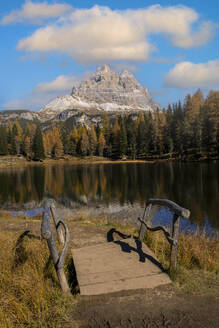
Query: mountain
[{"x": 105, "y": 91}]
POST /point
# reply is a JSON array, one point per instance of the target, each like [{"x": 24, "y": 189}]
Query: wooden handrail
[
  {"x": 46, "y": 232},
  {"x": 178, "y": 212},
  {"x": 166, "y": 233}
]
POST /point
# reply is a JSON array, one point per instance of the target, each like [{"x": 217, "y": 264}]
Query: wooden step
[{"x": 115, "y": 266}]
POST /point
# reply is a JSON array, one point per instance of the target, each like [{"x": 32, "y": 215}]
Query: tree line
[{"x": 191, "y": 127}]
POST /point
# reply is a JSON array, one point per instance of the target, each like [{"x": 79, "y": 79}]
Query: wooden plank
[{"x": 116, "y": 266}]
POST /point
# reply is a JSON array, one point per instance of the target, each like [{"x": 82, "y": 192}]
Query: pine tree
[
  {"x": 13, "y": 145},
  {"x": 177, "y": 127},
  {"x": 115, "y": 140},
  {"x": 197, "y": 103},
  {"x": 58, "y": 149},
  {"x": 161, "y": 130},
  {"x": 151, "y": 134},
  {"x": 57, "y": 146},
  {"x": 168, "y": 131},
  {"x": 133, "y": 146},
  {"x": 92, "y": 140},
  {"x": 27, "y": 147},
  {"x": 16, "y": 138},
  {"x": 75, "y": 134},
  {"x": 101, "y": 144},
  {"x": 38, "y": 147},
  {"x": 212, "y": 117},
  {"x": 122, "y": 138},
  {"x": 75, "y": 142},
  {"x": 84, "y": 143},
  {"x": 188, "y": 122},
  {"x": 131, "y": 138},
  {"x": 141, "y": 138},
  {"x": 106, "y": 128},
  {"x": 98, "y": 130},
  {"x": 15, "y": 142},
  {"x": 9, "y": 137},
  {"x": 72, "y": 146},
  {"x": 66, "y": 142},
  {"x": 198, "y": 131},
  {"x": 3, "y": 141}
]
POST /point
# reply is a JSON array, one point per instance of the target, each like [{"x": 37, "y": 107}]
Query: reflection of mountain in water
[{"x": 112, "y": 186}]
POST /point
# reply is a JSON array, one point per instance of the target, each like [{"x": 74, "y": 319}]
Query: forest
[{"x": 175, "y": 132}]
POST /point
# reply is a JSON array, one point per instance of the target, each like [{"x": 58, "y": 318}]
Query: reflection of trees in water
[
  {"x": 54, "y": 179},
  {"x": 192, "y": 185},
  {"x": 39, "y": 181},
  {"x": 22, "y": 185}
]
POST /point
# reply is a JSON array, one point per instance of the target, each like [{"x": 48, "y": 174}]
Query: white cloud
[
  {"x": 189, "y": 75},
  {"x": 176, "y": 23},
  {"x": 61, "y": 83},
  {"x": 46, "y": 91},
  {"x": 35, "y": 12},
  {"x": 99, "y": 34}
]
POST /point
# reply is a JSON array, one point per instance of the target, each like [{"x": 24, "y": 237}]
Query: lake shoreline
[{"x": 18, "y": 161}]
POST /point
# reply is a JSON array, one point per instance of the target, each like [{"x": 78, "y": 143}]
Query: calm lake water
[{"x": 117, "y": 186}]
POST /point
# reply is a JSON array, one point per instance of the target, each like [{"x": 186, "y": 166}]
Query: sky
[{"x": 47, "y": 47}]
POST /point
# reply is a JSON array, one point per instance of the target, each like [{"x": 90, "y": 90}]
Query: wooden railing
[
  {"x": 172, "y": 238},
  {"x": 63, "y": 237}
]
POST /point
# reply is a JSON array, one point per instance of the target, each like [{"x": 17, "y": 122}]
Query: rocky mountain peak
[
  {"x": 128, "y": 81},
  {"x": 111, "y": 91},
  {"x": 104, "y": 73},
  {"x": 105, "y": 90},
  {"x": 103, "y": 69}
]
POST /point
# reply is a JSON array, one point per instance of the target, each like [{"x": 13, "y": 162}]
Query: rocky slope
[{"x": 12, "y": 115}]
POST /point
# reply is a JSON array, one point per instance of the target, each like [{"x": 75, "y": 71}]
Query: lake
[{"x": 117, "y": 187}]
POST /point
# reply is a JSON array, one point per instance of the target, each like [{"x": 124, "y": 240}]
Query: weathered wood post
[
  {"x": 174, "y": 245},
  {"x": 58, "y": 261},
  {"x": 56, "y": 222}
]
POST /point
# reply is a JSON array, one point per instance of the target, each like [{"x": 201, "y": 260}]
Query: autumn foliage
[{"x": 178, "y": 131}]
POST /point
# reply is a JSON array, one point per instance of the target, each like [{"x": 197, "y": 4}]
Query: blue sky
[{"x": 47, "y": 47}]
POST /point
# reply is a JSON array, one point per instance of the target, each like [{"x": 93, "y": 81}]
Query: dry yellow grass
[
  {"x": 197, "y": 269},
  {"x": 194, "y": 250},
  {"x": 29, "y": 292}
]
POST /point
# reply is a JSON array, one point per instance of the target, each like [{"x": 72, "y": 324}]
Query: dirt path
[{"x": 162, "y": 307}]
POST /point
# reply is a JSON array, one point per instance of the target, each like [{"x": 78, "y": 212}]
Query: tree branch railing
[
  {"x": 171, "y": 238},
  {"x": 46, "y": 232}
]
